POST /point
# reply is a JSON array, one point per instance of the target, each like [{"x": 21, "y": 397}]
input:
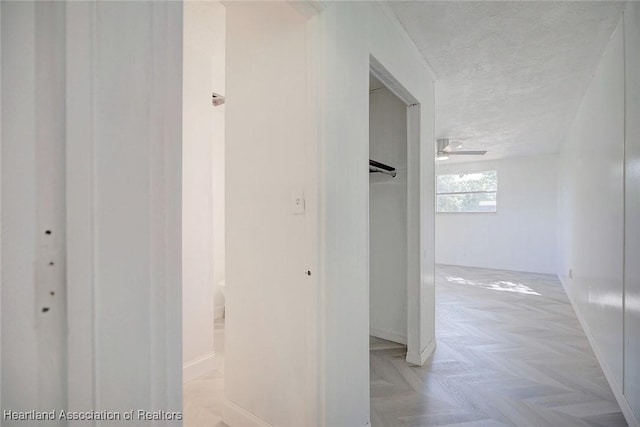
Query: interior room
[
  {"x": 317, "y": 213},
  {"x": 533, "y": 211}
]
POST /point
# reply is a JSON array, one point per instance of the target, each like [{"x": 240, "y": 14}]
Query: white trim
[
  {"x": 388, "y": 335},
  {"x": 419, "y": 359},
  {"x": 82, "y": 373},
  {"x": 1, "y": 199},
  {"x": 384, "y": 76},
  {"x": 316, "y": 316},
  {"x": 236, "y": 416},
  {"x": 615, "y": 387},
  {"x": 198, "y": 367}
]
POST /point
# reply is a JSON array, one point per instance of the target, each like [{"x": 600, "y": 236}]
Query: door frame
[{"x": 377, "y": 69}]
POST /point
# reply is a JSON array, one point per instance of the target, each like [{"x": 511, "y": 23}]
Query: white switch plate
[{"x": 297, "y": 201}]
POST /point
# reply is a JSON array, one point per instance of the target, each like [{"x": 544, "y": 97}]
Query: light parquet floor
[{"x": 510, "y": 351}]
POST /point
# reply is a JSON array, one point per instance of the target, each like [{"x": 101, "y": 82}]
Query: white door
[{"x": 91, "y": 147}]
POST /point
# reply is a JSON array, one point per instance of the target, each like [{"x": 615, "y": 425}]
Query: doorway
[
  {"x": 267, "y": 220},
  {"x": 387, "y": 216},
  {"x": 396, "y": 298},
  {"x": 203, "y": 211},
  {"x": 395, "y": 310}
]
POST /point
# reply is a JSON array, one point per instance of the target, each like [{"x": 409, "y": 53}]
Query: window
[{"x": 467, "y": 192}]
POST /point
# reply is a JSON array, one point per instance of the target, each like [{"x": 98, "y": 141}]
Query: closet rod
[
  {"x": 373, "y": 169},
  {"x": 377, "y": 167}
]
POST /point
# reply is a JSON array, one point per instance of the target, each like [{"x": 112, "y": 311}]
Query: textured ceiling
[{"x": 510, "y": 74}]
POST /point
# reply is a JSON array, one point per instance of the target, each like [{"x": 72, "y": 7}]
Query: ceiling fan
[{"x": 448, "y": 148}]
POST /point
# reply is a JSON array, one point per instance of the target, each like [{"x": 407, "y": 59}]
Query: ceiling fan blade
[{"x": 467, "y": 153}]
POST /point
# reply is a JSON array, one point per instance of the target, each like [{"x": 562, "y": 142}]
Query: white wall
[
  {"x": 388, "y": 218},
  {"x": 591, "y": 203},
  {"x": 521, "y": 235},
  {"x": 202, "y": 135},
  {"x": 631, "y": 368},
  {"x": 353, "y": 31},
  {"x": 270, "y": 328},
  {"x": 281, "y": 322},
  {"x": 592, "y": 215}
]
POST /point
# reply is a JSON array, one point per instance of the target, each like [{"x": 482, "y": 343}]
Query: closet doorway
[
  {"x": 387, "y": 217},
  {"x": 394, "y": 242}
]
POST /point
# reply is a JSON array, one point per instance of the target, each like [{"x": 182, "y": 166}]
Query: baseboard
[
  {"x": 419, "y": 358},
  {"x": 389, "y": 336},
  {"x": 198, "y": 367},
  {"x": 235, "y": 416},
  {"x": 218, "y": 312},
  {"x": 615, "y": 387}
]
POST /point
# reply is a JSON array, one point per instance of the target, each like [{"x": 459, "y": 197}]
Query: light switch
[{"x": 298, "y": 202}]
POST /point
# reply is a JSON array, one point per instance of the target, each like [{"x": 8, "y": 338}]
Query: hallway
[
  {"x": 204, "y": 396},
  {"x": 510, "y": 351}
]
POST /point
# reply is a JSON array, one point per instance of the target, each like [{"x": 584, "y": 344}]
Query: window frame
[{"x": 453, "y": 193}]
